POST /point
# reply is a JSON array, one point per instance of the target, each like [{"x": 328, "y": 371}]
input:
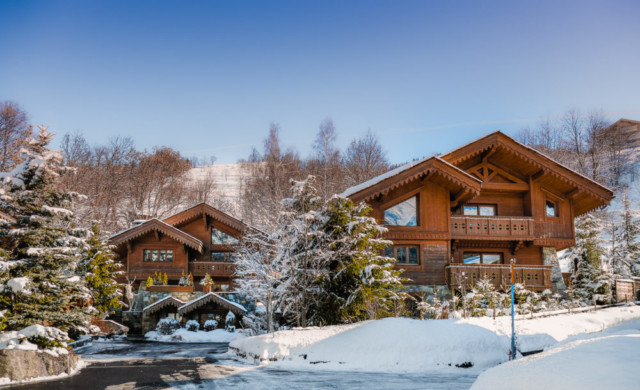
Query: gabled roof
[
  {"x": 587, "y": 193},
  {"x": 450, "y": 176},
  {"x": 211, "y": 297},
  {"x": 160, "y": 304},
  {"x": 159, "y": 226},
  {"x": 203, "y": 208}
]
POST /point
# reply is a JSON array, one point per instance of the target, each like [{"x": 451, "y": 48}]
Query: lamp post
[{"x": 513, "y": 328}]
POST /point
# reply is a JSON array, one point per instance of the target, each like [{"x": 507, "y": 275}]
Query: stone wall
[
  {"x": 550, "y": 257},
  {"x": 18, "y": 365}
]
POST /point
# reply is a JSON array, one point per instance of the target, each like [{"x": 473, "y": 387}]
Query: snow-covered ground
[
  {"x": 407, "y": 345},
  {"x": 607, "y": 360},
  {"x": 200, "y": 336}
]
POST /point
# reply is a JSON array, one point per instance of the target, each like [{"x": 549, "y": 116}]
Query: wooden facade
[
  {"x": 198, "y": 240},
  {"x": 476, "y": 208}
]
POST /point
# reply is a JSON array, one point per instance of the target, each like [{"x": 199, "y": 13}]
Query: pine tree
[
  {"x": 360, "y": 283},
  {"x": 589, "y": 277},
  {"x": 100, "y": 270},
  {"x": 44, "y": 248},
  {"x": 626, "y": 257}
]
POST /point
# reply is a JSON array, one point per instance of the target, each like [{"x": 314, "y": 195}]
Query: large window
[
  {"x": 156, "y": 255},
  {"x": 482, "y": 258},
  {"x": 486, "y": 210},
  {"x": 223, "y": 256},
  {"x": 552, "y": 209},
  {"x": 222, "y": 238},
  {"x": 403, "y": 254},
  {"x": 402, "y": 214}
]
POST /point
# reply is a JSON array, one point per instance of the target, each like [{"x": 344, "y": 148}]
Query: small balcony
[
  {"x": 213, "y": 268},
  {"x": 492, "y": 228},
  {"x": 533, "y": 277}
]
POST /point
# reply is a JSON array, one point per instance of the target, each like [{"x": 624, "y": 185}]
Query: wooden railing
[
  {"x": 553, "y": 230},
  {"x": 213, "y": 268},
  {"x": 534, "y": 277},
  {"x": 492, "y": 227}
]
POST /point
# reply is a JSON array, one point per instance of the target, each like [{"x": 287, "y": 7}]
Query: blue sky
[{"x": 207, "y": 78}]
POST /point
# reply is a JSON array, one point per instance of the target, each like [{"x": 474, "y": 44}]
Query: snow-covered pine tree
[
  {"x": 100, "y": 270},
  {"x": 626, "y": 254},
  {"x": 360, "y": 283},
  {"x": 589, "y": 277},
  {"x": 39, "y": 285},
  {"x": 258, "y": 275},
  {"x": 302, "y": 242}
]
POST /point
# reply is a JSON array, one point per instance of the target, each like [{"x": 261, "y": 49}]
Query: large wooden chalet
[
  {"x": 199, "y": 240},
  {"x": 462, "y": 216}
]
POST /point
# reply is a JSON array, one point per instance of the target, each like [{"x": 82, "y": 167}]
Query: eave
[{"x": 155, "y": 225}]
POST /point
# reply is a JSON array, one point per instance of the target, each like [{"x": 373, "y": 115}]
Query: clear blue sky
[{"x": 208, "y": 77}]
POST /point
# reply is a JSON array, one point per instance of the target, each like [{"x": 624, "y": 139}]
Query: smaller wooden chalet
[
  {"x": 198, "y": 240},
  {"x": 463, "y": 216}
]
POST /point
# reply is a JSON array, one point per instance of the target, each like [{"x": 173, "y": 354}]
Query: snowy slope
[{"x": 228, "y": 179}]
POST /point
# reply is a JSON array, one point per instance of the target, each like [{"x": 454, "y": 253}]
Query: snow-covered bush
[
  {"x": 230, "y": 320},
  {"x": 167, "y": 325},
  {"x": 210, "y": 325},
  {"x": 192, "y": 325}
]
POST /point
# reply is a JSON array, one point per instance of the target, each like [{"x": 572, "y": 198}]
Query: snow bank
[
  {"x": 408, "y": 345},
  {"x": 539, "y": 333},
  {"x": 187, "y": 336},
  {"x": 605, "y": 361},
  {"x": 391, "y": 344},
  {"x": 17, "y": 339}
]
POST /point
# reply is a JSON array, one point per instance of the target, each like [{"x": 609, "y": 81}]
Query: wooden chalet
[
  {"x": 198, "y": 240},
  {"x": 459, "y": 217}
]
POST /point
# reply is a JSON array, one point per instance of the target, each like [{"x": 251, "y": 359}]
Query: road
[{"x": 131, "y": 364}]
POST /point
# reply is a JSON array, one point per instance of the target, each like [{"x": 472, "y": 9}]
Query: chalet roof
[
  {"x": 159, "y": 226},
  {"x": 211, "y": 297},
  {"x": 587, "y": 194},
  {"x": 415, "y": 170},
  {"x": 160, "y": 304},
  {"x": 4, "y": 217},
  {"x": 203, "y": 208}
]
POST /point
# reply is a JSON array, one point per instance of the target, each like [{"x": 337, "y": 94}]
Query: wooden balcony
[
  {"x": 213, "y": 268},
  {"x": 534, "y": 277},
  {"x": 492, "y": 228}
]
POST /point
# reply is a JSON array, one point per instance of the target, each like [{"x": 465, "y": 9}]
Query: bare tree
[
  {"x": 326, "y": 164},
  {"x": 14, "y": 130},
  {"x": 364, "y": 159}
]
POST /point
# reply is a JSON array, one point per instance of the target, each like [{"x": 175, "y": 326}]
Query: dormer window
[
  {"x": 402, "y": 214},
  {"x": 551, "y": 209},
  {"x": 222, "y": 238}
]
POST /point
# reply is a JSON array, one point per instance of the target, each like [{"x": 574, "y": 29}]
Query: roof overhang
[
  {"x": 586, "y": 194},
  {"x": 204, "y": 209},
  {"x": 460, "y": 183},
  {"x": 208, "y": 298},
  {"x": 160, "y": 227},
  {"x": 163, "y": 303}
]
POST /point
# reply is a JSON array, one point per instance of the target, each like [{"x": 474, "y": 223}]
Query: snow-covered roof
[
  {"x": 169, "y": 300},
  {"x": 394, "y": 172},
  {"x": 207, "y": 209},
  {"x": 209, "y": 297}
]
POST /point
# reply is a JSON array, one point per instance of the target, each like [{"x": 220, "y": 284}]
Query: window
[
  {"x": 157, "y": 255},
  {"x": 552, "y": 209},
  {"x": 403, "y": 254},
  {"x": 402, "y": 214},
  {"x": 221, "y": 238},
  {"x": 485, "y": 210},
  {"x": 223, "y": 256},
  {"x": 482, "y": 258}
]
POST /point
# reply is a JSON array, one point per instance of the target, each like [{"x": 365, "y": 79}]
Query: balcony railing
[
  {"x": 213, "y": 268},
  {"x": 492, "y": 227},
  {"x": 533, "y": 277},
  {"x": 554, "y": 230}
]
